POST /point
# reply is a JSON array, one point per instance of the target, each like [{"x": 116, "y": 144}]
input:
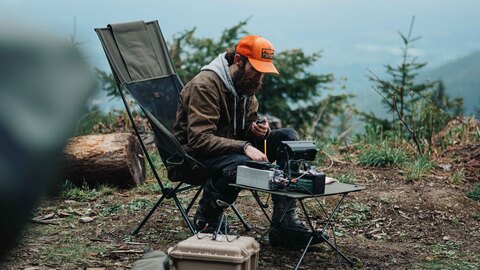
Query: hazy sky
[{"x": 354, "y": 35}]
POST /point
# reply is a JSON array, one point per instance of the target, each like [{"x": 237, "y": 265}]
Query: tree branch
[{"x": 395, "y": 108}]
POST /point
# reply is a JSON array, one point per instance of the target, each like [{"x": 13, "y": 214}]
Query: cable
[
  {"x": 226, "y": 234},
  {"x": 217, "y": 229},
  {"x": 202, "y": 230},
  {"x": 294, "y": 180},
  {"x": 331, "y": 162}
]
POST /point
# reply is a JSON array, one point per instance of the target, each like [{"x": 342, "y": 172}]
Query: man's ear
[{"x": 237, "y": 60}]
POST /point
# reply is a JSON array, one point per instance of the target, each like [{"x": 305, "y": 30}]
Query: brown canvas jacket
[{"x": 204, "y": 124}]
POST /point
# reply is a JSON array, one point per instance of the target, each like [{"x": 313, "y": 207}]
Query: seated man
[{"x": 217, "y": 124}]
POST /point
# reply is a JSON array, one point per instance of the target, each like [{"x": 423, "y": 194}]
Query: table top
[{"x": 330, "y": 189}]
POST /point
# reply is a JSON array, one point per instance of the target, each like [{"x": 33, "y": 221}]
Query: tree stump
[{"x": 114, "y": 159}]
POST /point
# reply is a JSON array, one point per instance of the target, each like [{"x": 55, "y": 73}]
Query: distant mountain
[{"x": 461, "y": 78}]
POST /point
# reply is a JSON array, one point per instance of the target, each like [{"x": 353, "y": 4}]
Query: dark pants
[{"x": 223, "y": 168}]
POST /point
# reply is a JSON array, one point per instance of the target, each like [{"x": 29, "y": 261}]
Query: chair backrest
[
  {"x": 136, "y": 51},
  {"x": 140, "y": 62}
]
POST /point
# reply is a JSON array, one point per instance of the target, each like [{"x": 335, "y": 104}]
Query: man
[{"x": 217, "y": 124}]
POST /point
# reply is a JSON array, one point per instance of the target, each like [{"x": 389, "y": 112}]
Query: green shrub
[
  {"x": 381, "y": 156},
  {"x": 417, "y": 168},
  {"x": 475, "y": 193}
]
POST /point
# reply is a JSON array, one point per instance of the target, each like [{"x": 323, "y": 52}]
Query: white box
[{"x": 254, "y": 177}]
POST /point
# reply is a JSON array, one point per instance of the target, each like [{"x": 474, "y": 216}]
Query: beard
[{"x": 246, "y": 86}]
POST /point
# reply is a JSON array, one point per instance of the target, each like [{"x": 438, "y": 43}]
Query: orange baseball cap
[{"x": 259, "y": 52}]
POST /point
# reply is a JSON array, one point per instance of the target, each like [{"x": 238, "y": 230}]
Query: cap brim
[{"x": 263, "y": 66}]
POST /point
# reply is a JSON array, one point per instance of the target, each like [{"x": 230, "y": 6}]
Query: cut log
[{"x": 114, "y": 159}]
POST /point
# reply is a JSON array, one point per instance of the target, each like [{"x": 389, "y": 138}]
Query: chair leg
[
  {"x": 184, "y": 214},
  {"x": 168, "y": 193},
  {"x": 246, "y": 225},
  {"x": 145, "y": 219},
  {"x": 172, "y": 194},
  {"x": 193, "y": 200}
]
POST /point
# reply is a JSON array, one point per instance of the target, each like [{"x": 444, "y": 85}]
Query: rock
[{"x": 85, "y": 219}]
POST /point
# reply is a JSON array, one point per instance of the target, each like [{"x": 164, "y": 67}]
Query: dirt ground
[{"x": 392, "y": 224}]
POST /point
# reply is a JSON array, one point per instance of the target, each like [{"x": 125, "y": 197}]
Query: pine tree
[
  {"x": 418, "y": 109},
  {"x": 402, "y": 89}
]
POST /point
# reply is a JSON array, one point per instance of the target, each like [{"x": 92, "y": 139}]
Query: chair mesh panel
[{"x": 158, "y": 96}]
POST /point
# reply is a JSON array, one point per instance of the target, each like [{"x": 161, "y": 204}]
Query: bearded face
[{"x": 247, "y": 82}]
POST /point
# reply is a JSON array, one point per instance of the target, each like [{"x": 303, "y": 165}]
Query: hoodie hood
[{"x": 219, "y": 65}]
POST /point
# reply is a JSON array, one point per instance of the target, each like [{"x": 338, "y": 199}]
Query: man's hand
[
  {"x": 255, "y": 154},
  {"x": 260, "y": 128}
]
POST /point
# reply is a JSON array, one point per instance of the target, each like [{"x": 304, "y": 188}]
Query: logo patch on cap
[{"x": 268, "y": 53}]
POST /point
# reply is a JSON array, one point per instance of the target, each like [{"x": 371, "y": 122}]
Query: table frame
[{"x": 335, "y": 188}]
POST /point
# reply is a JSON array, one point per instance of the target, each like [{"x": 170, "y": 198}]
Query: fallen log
[{"x": 114, "y": 159}]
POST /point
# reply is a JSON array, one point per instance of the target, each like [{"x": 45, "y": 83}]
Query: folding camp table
[{"x": 331, "y": 189}]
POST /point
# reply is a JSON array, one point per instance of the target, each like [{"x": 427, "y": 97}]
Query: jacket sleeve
[{"x": 203, "y": 113}]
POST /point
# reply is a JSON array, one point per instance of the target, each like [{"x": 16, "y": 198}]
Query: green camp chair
[{"x": 142, "y": 67}]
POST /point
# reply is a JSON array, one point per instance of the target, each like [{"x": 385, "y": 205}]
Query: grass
[
  {"x": 358, "y": 215},
  {"x": 417, "y": 168},
  {"x": 458, "y": 177},
  {"x": 157, "y": 162},
  {"x": 148, "y": 188},
  {"x": 382, "y": 155},
  {"x": 71, "y": 252},
  {"x": 448, "y": 255},
  {"x": 348, "y": 178},
  {"x": 140, "y": 204},
  {"x": 112, "y": 209},
  {"x": 84, "y": 194},
  {"x": 448, "y": 264},
  {"x": 475, "y": 193}
]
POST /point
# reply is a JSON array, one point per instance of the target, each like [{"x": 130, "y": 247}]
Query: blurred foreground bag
[
  {"x": 155, "y": 260},
  {"x": 44, "y": 85},
  {"x": 203, "y": 253}
]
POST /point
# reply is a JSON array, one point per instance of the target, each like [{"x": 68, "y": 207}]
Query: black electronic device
[
  {"x": 260, "y": 121},
  {"x": 312, "y": 182},
  {"x": 261, "y": 165},
  {"x": 296, "y": 150}
]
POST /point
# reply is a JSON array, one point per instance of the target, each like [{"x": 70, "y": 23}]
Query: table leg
[
  {"x": 304, "y": 252},
  {"x": 324, "y": 229},
  {"x": 271, "y": 223}
]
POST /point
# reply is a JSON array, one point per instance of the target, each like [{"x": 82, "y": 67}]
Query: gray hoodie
[{"x": 219, "y": 65}]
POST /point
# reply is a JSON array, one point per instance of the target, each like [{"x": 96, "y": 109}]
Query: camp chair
[{"x": 142, "y": 68}]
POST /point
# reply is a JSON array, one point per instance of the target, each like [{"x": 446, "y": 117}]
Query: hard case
[{"x": 220, "y": 254}]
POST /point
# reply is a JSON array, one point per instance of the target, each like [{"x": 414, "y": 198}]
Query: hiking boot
[
  {"x": 206, "y": 219},
  {"x": 288, "y": 232},
  {"x": 210, "y": 210}
]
